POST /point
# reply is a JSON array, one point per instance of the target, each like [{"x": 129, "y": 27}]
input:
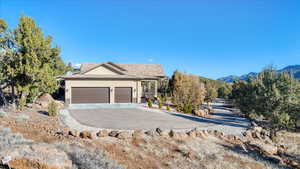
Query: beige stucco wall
[
  {"x": 101, "y": 71},
  {"x": 136, "y": 87}
]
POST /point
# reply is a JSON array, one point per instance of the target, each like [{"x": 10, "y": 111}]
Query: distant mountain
[{"x": 294, "y": 70}]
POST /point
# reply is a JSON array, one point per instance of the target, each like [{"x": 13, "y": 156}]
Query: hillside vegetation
[
  {"x": 293, "y": 70},
  {"x": 273, "y": 96}
]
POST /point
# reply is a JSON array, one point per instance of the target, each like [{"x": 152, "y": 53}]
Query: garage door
[
  {"x": 123, "y": 95},
  {"x": 90, "y": 95}
]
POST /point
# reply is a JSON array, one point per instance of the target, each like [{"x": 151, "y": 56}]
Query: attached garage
[
  {"x": 90, "y": 95},
  {"x": 111, "y": 83},
  {"x": 123, "y": 95}
]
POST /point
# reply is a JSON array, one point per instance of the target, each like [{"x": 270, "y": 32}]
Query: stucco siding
[{"x": 136, "y": 87}]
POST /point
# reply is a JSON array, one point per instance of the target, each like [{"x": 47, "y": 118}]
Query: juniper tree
[
  {"x": 29, "y": 61},
  {"x": 187, "y": 91},
  {"x": 211, "y": 93},
  {"x": 273, "y": 95},
  {"x": 224, "y": 91},
  {"x": 7, "y": 58}
]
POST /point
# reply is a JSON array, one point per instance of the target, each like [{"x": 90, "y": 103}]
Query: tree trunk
[{"x": 13, "y": 100}]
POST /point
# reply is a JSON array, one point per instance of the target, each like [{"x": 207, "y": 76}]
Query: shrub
[
  {"x": 160, "y": 105},
  {"x": 83, "y": 159},
  {"x": 22, "y": 103},
  {"x": 3, "y": 114},
  {"x": 188, "y": 109},
  {"x": 9, "y": 139},
  {"x": 168, "y": 108},
  {"x": 52, "y": 109},
  {"x": 149, "y": 102},
  {"x": 22, "y": 116}
]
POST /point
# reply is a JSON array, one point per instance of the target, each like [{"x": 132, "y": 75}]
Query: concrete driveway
[{"x": 142, "y": 118}]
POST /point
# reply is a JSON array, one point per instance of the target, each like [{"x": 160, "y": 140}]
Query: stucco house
[{"x": 112, "y": 83}]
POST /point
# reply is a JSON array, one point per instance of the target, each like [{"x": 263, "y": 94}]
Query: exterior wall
[
  {"x": 136, "y": 87},
  {"x": 101, "y": 71},
  {"x": 139, "y": 91}
]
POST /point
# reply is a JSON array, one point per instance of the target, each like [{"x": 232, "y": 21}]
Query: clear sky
[{"x": 211, "y": 38}]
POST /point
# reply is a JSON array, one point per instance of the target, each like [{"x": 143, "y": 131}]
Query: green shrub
[
  {"x": 52, "y": 109},
  {"x": 160, "y": 105},
  {"x": 22, "y": 103},
  {"x": 168, "y": 108},
  {"x": 188, "y": 109},
  {"x": 149, "y": 102}
]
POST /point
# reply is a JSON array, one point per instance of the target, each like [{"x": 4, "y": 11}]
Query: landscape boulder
[
  {"x": 163, "y": 133},
  {"x": 139, "y": 134},
  {"x": 124, "y": 135},
  {"x": 92, "y": 135},
  {"x": 74, "y": 133},
  {"x": 178, "y": 135},
  {"x": 200, "y": 113},
  {"x": 44, "y": 100},
  {"x": 85, "y": 134},
  {"x": 152, "y": 133},
  {"x": 192, "y": 133},
  {"x": 102, "y": 133},
  {"x": 113, "y": 133}
]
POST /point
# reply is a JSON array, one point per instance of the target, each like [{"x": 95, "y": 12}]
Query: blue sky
[{"x": 211, "y": 38}]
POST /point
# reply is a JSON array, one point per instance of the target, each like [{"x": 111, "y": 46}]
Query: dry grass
[
  {"x": 152, "y": 153},
  {"x": 26, "y": 164},
  {"x": 292, "y": 142}
]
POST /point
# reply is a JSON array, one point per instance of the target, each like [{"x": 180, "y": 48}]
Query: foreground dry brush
[{"x": 152, "y": 149}]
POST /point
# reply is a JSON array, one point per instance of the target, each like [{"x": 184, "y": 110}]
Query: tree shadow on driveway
[{"x": 218, "y": 118}]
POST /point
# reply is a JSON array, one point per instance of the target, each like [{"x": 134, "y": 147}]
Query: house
[{"x": 112, "y": 83}]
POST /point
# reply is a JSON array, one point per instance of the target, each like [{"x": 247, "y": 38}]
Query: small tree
[
  {"x": 187, "y": 91},
  {"x": 211, "y": 93},
  {"x": 224, "y": 91}
]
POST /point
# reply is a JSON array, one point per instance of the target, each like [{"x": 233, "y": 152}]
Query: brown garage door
[
  {"x": 90, "y": 95},
  {"x": 123, "y": 95}
]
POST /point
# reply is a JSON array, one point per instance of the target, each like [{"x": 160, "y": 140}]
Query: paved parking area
[{"x": 143, "y": 118}]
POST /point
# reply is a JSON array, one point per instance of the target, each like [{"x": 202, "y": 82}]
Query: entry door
[{"x": 123, "y": 95}]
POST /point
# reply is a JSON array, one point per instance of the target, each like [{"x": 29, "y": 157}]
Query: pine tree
[{"x": 29, "y": 62}]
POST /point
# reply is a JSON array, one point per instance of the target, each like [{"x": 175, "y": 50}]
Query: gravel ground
[{"x": 139, "y": 117}]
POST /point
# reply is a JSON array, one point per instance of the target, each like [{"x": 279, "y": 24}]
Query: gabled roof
[
  {"x": 108, "y": 65},
  {"x": 151, "y": 70}
]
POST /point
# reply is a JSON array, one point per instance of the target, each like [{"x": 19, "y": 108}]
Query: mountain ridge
[{"x": 291, "y": 69}]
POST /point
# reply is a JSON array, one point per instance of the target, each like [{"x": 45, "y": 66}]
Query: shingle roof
[
  {"x": 84, "y": 76},
  {"x": 154, "y": 70}
]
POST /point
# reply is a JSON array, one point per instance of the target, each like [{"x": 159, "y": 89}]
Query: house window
[{"x": 148, "y": 88}]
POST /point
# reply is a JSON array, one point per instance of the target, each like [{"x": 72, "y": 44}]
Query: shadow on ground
[
  {"x": 255, "y": 155},
  {"x": 225, "y": 119},
  {"x": 43, "y": 112}
]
